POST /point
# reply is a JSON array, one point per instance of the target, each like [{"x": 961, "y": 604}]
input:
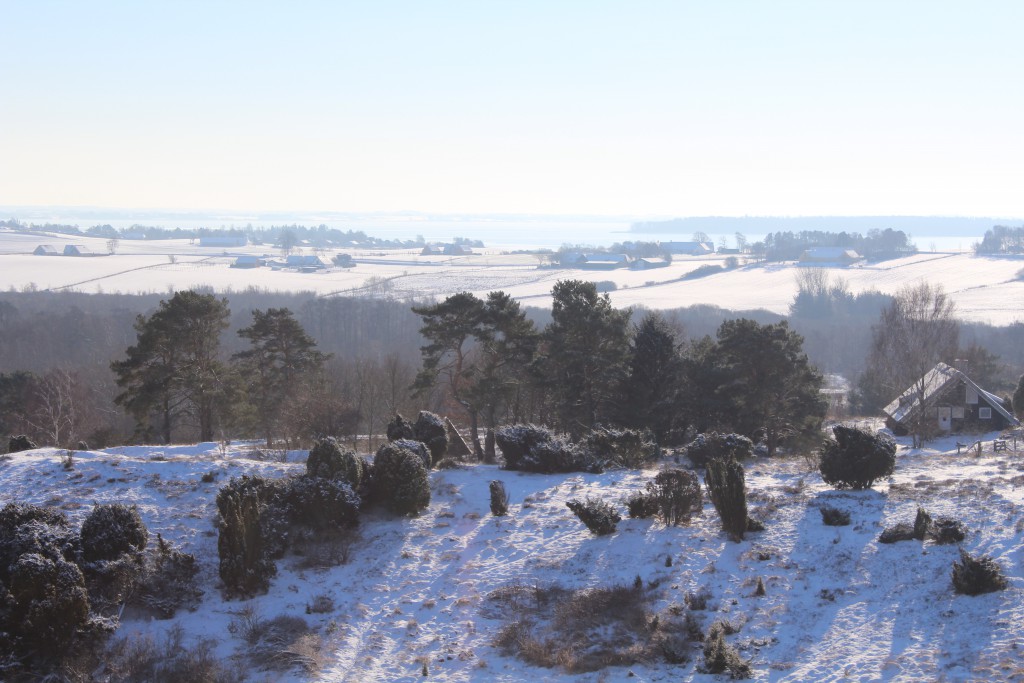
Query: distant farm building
[
  {"x": 305, "y": 262},
  {"x": 248, "y": 261},
  {"x": 46, "y": 250},
  {"x": 456, "y": 250},
  {"x": 79, "y": 250},
  {"x": 603, "y": 261},
  {"x": 430, "y": 250},
  {"x": 223, "y": 241},
  {"x": 688, "y": 248},
  {"x": 649, "y": 263},
  {"x": 952, "y": 403},
  {"x": 833, "y": 255}
]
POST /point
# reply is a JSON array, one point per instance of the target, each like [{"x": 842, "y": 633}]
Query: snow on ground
[
  {"x": 986, "y": 289},
  {"x": 839, "y": 605}
]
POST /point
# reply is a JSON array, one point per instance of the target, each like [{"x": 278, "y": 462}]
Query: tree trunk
[{"x": 474, "y": 435}]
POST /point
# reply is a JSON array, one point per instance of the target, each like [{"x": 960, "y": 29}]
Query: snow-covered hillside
[
  {"x": 986, "y": 289},
  {"x": 420, "y": 593}
]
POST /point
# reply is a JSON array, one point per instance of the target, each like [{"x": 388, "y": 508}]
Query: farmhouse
[
  {"x": 79, "y": 250},
  {"x": 46, "y": 250},
  {"x": 603, "y": 261},
  {"x": 305, "y": 262},
  {"x": 836, "y": 255},
  {"x": 247, "y": 261},
  {"x": 952, "y": 403},
  {"x": 649, "y": 263}
]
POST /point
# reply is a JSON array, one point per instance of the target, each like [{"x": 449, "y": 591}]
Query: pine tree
[
  {"x": 280, "y": 354},
  {"x": 771, "y": 387},
  {"x": 655, "y": 375},
  {"x": 173, "y": 370},
  {"x": 586, "y": 355}
]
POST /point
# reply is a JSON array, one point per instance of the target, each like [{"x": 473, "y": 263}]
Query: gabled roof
[{"x": 936, "y": 381}]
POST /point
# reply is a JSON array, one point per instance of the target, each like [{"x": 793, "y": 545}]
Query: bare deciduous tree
[{"x": 915, "y": 332}]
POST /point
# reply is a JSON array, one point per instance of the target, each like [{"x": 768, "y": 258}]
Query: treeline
[
  {"x": 876, "y": 245},
  {"x": 289, "y": 235},
  {"x": 56, "y": 381},
  {"x": 1001, "y": 239}
]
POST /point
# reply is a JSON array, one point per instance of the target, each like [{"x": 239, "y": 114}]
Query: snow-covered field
[
  {"x": 986, "y": 289},
  {"x": 838, "y": 605}
]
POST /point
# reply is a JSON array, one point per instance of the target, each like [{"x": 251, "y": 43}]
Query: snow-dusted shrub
[
  {"x": 714, "y": 445},
  {"x": 945, "y": 531},
  {"x": 598, "y": 516},
  {"x": 245, "y": 564},
  {"x": 516, "y": 441},
  {"x": 726, "y": 486},
  {"x": 977, "y": 575},
  {"x": 833, "y": 516},
  {"x": 417, "y": 447},
  {"x": 642, "y": 505},
  {"x": 532, "y": 448},
  {"x": 50, "y": 604},
  {"x": 401, "y": 482},
  {"x": 430, "y": 429},
  {"x": 856, "y": 459},
  {"x": 20, "y": 443},
  {"x": 321, "y": 504},
  {"x": 629, "y": 448},
  {"x": 168, "y": 581},
  {"x": 27, "y": 529},
  {"x": 896, "y": 533},
  {"x": 720, "y": 657},
  {"x": 328, "y": 459},
  {"x": 678, "y": 495},
  {"x": 400, "y": 428},
  {"x": 112, "y": 530},
  {"x": 942, "y": 530},
  {"x": 499, "y": 498}
]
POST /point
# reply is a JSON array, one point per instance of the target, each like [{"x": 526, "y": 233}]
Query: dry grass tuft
[
  {"x": 586, "y": 630},
  {"x": 142, "y": 659}
]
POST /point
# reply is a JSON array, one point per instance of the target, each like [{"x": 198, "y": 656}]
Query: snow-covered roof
[
  {"x": 936, "y": 381},
  {"x": 829, "y": 254}
]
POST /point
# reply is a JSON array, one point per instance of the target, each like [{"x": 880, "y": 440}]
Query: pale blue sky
[{"x": 630, "y": 108}]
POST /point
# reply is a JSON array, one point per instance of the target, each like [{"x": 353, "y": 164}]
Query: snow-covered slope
[
  {"x": 986, "y": 289},
  {"x": 415, "y": 592}
]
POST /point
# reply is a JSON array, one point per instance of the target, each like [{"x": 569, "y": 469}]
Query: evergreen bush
[
  {"x": 32, "y": 529},
  {"x": 833, "y": 516},
  {"x": 720, "y": 657},
  {"x": 532, "y": 448},
  {"x": 642, "y": 505},
  {"x": 974, "y": 576},
  {"x": 245, "y": 564},
  {"x": 629, "y": 448},
  {"x": 400, "y": 428},
  {"x": 321, "y": 504},
  {"x": 499, "y": 498},
  {"x": 856, "y": 459},
  {"x": 113, "y": 530},
  {"x": 328, "y": 459},
  {"x": 678, "y": 495},
  {"x": 725, "y": 482},
  {"x": 598, "y": 516},
  {"x": 430, "y": 429},
  {"x": 714, "y": 445},
  {"x": 401, "y": 482},
  {"x": 417, "y": 447},
  {"x": 48, "y": 606},
  {"x": 20, "y": 443}
]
